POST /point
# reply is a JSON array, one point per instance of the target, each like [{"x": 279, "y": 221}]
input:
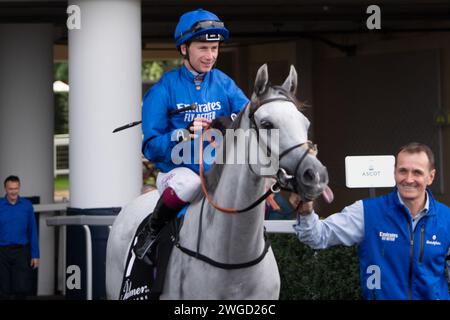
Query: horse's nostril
[{"x": 308, "y": 176}]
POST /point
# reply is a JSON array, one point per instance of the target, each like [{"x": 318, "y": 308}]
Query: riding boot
[{"x": 149, "y": 235}]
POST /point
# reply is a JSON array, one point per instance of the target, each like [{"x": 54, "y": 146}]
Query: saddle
[{"x": 142, "y": 281}]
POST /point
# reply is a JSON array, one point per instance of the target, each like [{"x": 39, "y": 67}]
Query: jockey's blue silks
[{"x": 218, "y": 96}]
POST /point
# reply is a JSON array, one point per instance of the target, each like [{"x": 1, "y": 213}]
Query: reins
[
  {"x": 273, "y": 189},
  {"x": 283, "y": 180}
]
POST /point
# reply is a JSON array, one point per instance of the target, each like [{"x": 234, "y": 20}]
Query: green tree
[
  {"x": 61, "y": 72},
  {"x": 152, "y": 70}
]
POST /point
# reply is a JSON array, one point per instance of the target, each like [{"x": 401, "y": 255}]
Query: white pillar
[
  {"x": 105, "y": 92},
  {"x": 26, "y": 107},
  {"x": 26, "y": 124}
]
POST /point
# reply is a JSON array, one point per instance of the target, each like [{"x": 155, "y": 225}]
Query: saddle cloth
[{"x": 140, "y": 280}]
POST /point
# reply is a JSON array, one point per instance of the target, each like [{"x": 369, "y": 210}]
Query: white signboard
[{"x": 369, "y": 171}]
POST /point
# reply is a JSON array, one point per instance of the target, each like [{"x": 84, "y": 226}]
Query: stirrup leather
[{"x": 148, "y": 245}]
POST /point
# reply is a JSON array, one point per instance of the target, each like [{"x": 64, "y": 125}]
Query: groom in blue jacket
[{"x": 403, "y": 237}]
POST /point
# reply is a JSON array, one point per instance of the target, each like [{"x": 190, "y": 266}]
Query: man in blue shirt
[
  {"x": 403, "y": 237},
  {"x": 185, "y": 100},
  {"x": 19, "y": 248}
]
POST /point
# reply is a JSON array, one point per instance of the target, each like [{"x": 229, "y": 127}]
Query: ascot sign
[{"x": 369, "y": 171}]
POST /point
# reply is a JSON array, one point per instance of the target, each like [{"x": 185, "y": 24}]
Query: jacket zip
[
  {"x": 411, "y": 254},
  {"x": 422, "y": 239}
]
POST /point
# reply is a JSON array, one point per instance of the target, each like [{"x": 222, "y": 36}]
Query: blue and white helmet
[{"x": 200, "y": 25}]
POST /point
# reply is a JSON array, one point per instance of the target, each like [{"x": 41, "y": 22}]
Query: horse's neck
[
  {"x": 235, "y": 238},
  {"x": 238, "y": 187}
]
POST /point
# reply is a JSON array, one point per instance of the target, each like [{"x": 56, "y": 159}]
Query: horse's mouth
[{"x": 326, "y": 193}]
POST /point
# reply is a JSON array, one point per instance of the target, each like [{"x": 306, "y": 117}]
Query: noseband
[{"x": 284, "y": 180}]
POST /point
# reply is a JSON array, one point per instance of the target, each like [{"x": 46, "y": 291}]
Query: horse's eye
[{"x": 266, "y": 124}]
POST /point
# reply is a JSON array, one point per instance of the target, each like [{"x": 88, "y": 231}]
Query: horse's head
[{"x": 275, "y": 107}]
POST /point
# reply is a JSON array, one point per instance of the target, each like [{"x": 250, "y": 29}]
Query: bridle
[{"x": 283, "y": 179}]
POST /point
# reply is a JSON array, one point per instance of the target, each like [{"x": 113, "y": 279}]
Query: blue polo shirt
[{"x": 18, "y": 225}]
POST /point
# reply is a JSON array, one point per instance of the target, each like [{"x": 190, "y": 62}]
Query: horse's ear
[
  {"x": 262, "y": 80},
  {"x": 290, "y": 84}
]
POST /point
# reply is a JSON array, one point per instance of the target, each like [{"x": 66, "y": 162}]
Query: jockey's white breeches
[{"x": 184, "y": 181}]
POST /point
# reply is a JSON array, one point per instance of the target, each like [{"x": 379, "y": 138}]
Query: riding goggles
[{"x": 200, "y": 25}]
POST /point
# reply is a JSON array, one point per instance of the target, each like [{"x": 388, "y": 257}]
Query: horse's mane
[{"x": 213, "y": 175}]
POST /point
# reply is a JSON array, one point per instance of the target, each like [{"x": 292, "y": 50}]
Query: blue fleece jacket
[{"x": 399, "y": 262}]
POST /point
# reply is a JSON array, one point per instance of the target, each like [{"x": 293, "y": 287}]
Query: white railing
[
  {"x": 85, "y": 221},
  {"x": 58, "y": 141}
]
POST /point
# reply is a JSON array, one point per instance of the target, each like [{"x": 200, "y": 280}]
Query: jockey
[{"x": 189, "y": 97}]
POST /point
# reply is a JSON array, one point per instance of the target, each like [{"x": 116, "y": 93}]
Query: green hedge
[{"x": 308, "y": 274}]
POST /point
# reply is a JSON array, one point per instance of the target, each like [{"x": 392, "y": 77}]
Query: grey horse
[{"x": 232, "y": 239}]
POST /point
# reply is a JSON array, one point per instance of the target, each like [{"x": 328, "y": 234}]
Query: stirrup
[{"x": 144, "y": 250}]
